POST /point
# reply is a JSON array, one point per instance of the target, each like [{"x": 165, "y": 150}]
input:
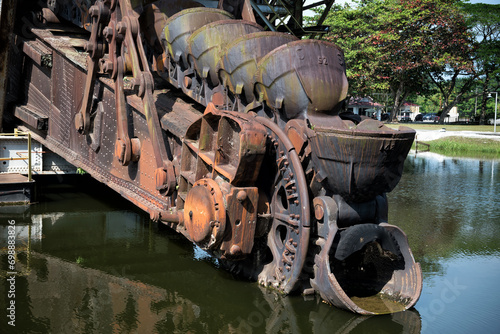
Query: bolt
[
  {"x": 188, "y": 82},
  {"x": 108, "y": 32},
  {"x": 108, "y": 66},
  {"x": 319, "y": 212},
  {"x": 94, "y": 11},
  {"x": 120, "y": 150},
  {"x": 155, "y": 216},
  {"x": 136, "y": 83},
  {"x": 89, "y": 47},
  {"x": 235, "y": 250},
  {"x": 121, "y": 28},
  {"x": 79, "y": 122},
  {"x": 241, "y": 195}
]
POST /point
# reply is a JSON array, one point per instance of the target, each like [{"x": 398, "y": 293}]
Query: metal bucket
[
  {"x": 374, "y": 279},
  {"x": 239, "y": 60},
  {"x": 181, "y": 25},
  {"x": 369, "y": 157},
  {"x": 207, "y": 44},
  {"x": 306, "y": 76}
]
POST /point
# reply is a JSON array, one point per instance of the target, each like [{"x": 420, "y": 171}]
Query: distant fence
[{"x": 427, "y": 147}]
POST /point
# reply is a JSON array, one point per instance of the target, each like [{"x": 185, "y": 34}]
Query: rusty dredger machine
[{"x": 223, "y": 127}]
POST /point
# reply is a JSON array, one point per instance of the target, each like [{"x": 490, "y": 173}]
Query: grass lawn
[
  {"x": 469, "y": 146},
  {"x": 457, "y": 145}
]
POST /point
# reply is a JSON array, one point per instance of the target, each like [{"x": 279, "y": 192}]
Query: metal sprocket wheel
[{"x": 288, "y": 236}]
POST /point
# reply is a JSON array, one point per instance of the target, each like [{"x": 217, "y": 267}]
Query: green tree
[
  {"x": 398, "y": 45},
  {"x": 483, "y": 22},
  {"x": 430, "y": 103},
  {"x": 351, "y": 28}
]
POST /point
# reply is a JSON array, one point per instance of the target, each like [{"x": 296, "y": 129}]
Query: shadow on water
[{"x": 88, "y": 263}]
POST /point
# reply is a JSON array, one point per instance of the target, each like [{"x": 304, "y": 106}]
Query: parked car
[
  {"x": 430, "y": 118},
  {"x": 491, "y": 121},
  {"x": 419, "y": 118}
]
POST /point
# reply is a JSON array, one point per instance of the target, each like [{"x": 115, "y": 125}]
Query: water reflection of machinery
[
  {"x": 91, "y": 300},
  {"x": 113, "y": 271},
  {"x": 401, "y": 322}
]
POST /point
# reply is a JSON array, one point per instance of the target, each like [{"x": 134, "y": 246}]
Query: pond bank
[
  {"x": 430, "y": 135},
  {"x": 459, "y": 143}
]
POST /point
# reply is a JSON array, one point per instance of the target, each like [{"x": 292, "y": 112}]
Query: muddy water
[{"x": 87, "y": 262}]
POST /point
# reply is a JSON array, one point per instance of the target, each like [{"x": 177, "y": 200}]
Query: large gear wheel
[{"x": 288, "y": 236}]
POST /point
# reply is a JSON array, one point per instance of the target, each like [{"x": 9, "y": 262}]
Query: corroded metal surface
[
  {"x": 289, "y": 233},
  {"x": 179, "y": 27},
  {"x": 382, "y": 281},
  {"x": 204, "y": 213},
  {"x": 7, "y": 19},
  {"x": 246, "y": 155},
  {"x": 206, "y": 44},
  {"x": 369, "y": 156},
  {"x": 238, "y": 63},
  {"x": 314, "y": 74}
]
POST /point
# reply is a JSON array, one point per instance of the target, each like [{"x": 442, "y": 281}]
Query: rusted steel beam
[
  {"x": 322, "y": 19},
  {"x": 7, "y": 19},
  {"x": 241, "y": 9},
  {"x": 38, "y": 52}
]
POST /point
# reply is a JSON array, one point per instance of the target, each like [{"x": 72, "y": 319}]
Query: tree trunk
[
  {"x": 482, "y": 115},
  {"x": 482, "y": 109},
  {"x": 399, "y": 97},
  {"x": 447, "y": 89},
  {"x": 444, "y": 112}
]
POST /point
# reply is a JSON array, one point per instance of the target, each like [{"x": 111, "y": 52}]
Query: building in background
[
  {"x": 408, "y": 112},
  {"x": 365, "y": 106}
]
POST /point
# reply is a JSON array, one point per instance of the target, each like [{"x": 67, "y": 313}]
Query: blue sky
[{"x": 341, "y": 2}]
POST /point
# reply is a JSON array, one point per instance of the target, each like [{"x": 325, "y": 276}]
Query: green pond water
[{"x": 88, "y": 262}]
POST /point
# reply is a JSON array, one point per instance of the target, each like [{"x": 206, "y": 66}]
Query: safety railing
[{"x": 18, "y": 133}]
